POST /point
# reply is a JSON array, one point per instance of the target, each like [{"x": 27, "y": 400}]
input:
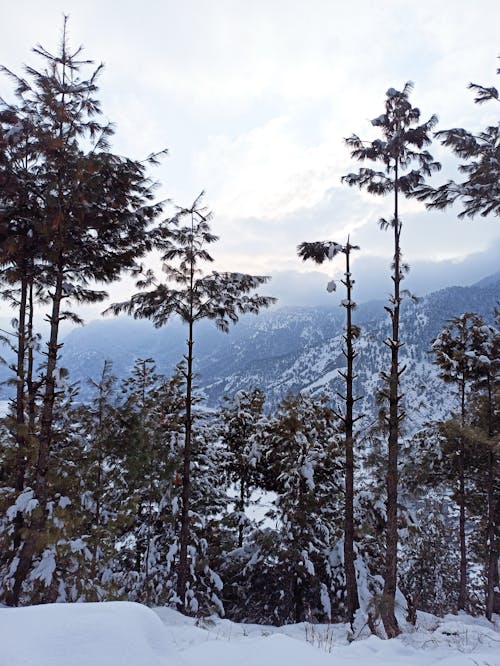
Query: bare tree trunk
[
  {"x": 31, "y": 385},
  {"x": 462, "y": 589},
  {"x": 21, "y": 432},
  {"x": 350, "y": 572},
  {"x": 492, "y": 564},
  {"x": 100, "y": 472},
  {"x": 39, "y": 520},
  {"x": 182, "y": 572},
  {"x": 391, "y": 562},
  {"x": 297, "y": 582},
  {"x": 241, "y": 508}
]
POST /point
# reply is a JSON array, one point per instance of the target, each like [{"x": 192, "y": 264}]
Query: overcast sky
[{"x": 253, "y": 99}]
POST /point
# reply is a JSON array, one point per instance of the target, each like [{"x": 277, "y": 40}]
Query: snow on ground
[
  {"x": 128, "y": 634},
  {"x": 94, "y": 634}
]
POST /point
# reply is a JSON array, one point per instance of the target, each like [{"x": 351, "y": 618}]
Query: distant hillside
[{"x": 288, "y": 349}]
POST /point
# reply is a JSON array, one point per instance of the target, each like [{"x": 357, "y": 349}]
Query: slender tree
[
  {"x": 239, "y": 432},
  {"x": 102, "y": 438},
  {"x": 151, "y": 415},
  {"x": 465, "y": 352},
  {"x": 319, "y": 252},
  {"x": 402, "y": 144},
  {"x": 454, "y": 350},
  {"x": 191, "y": 295},
  {"x": 488, "y": 362},
  {"x": 20, "y": 245}
]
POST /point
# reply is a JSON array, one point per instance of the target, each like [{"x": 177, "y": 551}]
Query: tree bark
[
  {"x": 390, "y": 581},
  {"x": 39, "y": 521},
  {"x": 492, "y": 564},
  {"x": 21, "y": 431},
  {"x": 350, "y": 572},
  {"x": 462, "y": 588},
  {"x": 186, "y": 480},
  {"x": 241, "y": 507},
  {"x": 31, "y": 385},
  {"x": 182, "y": 572}
]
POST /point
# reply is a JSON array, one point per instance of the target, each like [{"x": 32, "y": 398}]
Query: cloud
[
  {"x": 254, "y": 99},
  {"x": 372, "y": 278}
]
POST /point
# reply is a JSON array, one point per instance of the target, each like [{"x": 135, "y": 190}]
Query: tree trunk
[
  {"x": 39, "y": 521},
  {"x": 390, "y": 581},
  {"x": 462, "y": 589},
  {"x": 298, "y": 598},
  {"x": 99, "y": 443},
  {"x": 21, "y": 431},
  {"x": 350, "y": 572},
  {"x": 182, "y": 572},
  {"x": 241, "y": 507},
  {"x": 492, "y": 564}
]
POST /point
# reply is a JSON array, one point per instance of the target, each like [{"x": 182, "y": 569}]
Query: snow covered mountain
[{"x": 289, "y": 349}]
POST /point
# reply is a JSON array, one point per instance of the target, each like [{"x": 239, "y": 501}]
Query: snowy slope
[
  {"x": 288, "y": 350},
  {"x": 127, "y": 634}
]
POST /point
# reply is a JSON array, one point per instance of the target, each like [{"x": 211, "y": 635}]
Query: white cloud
[{"x": 254, "y": 100}]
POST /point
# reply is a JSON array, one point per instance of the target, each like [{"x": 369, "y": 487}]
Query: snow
[
  {"x": 128, "y": 634},
  {"x": 45, "y": 568},
  {"x": 25, "y": 502},
  {"x": 93, "y": 634},
  {"x": 331, "y": 286}
]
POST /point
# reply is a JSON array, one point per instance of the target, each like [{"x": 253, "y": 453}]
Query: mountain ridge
[{"x": 289, "y": 349}]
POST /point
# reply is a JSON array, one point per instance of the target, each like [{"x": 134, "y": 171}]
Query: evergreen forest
[{"x": 264, "y": 513}]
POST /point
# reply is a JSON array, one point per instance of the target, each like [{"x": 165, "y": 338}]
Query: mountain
[
  {"x": 489, "y": 280},
  {"x": 289, "y": 350}
]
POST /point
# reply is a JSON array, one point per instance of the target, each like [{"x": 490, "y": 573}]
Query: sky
[{"x": 253, "y": 101}]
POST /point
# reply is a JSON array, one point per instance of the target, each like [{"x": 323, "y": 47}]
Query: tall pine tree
[
  {"x": 192, "y": 296},
  {"x": 319, "y": 252},
  {"x": 95, "y": 208},
  {"x": 402, "y": 144}
]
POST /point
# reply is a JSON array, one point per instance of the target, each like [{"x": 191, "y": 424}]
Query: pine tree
[
  {"x": 319, "y": 252},
  {"x": 290, "y": 569},
  {"x": 57, "y": 560},
  {"x": 240, "y": 436},
  {"x": 479, "y": 193},
  {"x": 103, "y": 505},
  {"x": 430, "y": 545},
  {"x": 488, "y": 364},
  {"x": 467, "y": 351},
  {"x": 454, "y": 349},
  {"x": 151, "y": 434},
  {"x": 302, "y": 449},
  {"x": 220, "y": 297},
  {"x": 208, "y": 511},
  {"x": 21, "y": 245},
  {"x": 402, "y": 145},
  {"x": 94, "y": 211}
]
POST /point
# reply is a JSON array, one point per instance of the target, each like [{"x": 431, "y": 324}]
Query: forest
[{"x": 142, "y": 493}]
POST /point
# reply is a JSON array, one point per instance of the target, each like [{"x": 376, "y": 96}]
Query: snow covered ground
[{"x": 127, "y": 634}]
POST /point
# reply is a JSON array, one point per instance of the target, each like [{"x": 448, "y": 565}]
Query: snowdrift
[
  {"x": 128, "y": 634},
  {"x": 92, "y": 634}
]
